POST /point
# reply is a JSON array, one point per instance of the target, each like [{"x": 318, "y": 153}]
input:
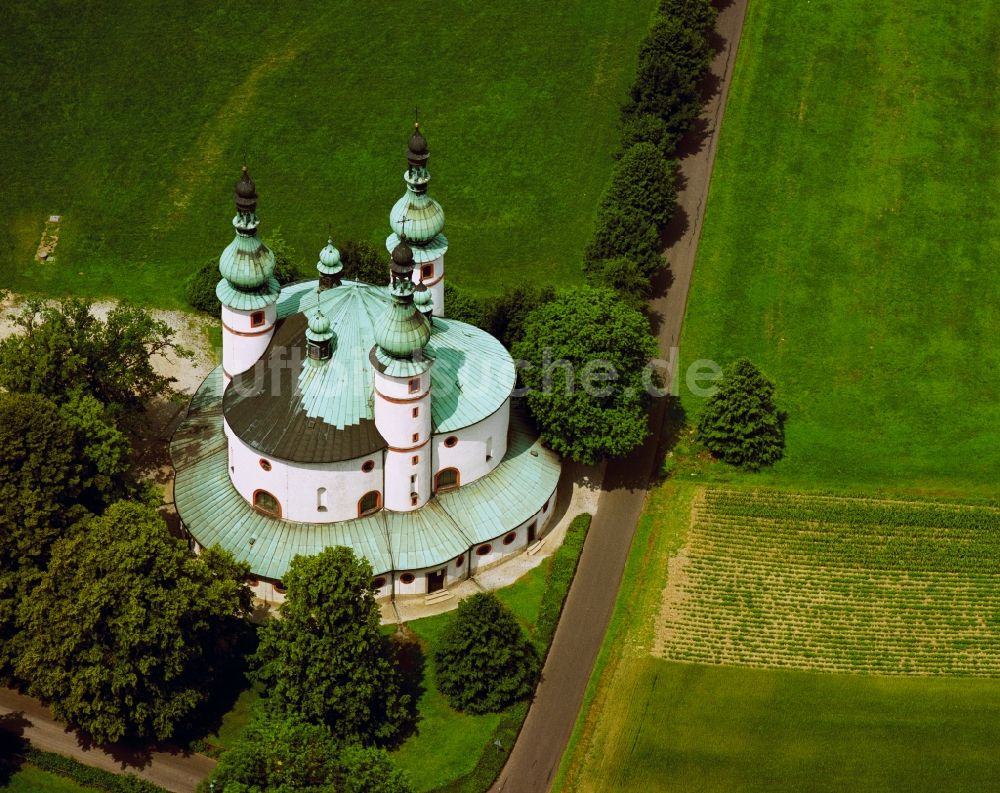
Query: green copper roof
[
  {"x": 449, "y": 524},
  {"x": 248, "y": 299},
  {"x": 424, "y": 217},
  {"x": 472, "y": 376},
  {"x": 247, "y": 263},
  {"x": 403, "y": 331}
]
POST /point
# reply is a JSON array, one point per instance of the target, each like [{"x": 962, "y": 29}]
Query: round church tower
[
  {"x": 423, "y": 218},
  {"x": 248, "y": 290},
  {"x": 403, "y": 390}
]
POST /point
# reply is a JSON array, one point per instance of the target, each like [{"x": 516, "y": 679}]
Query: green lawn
[
  {"x": 34, "y": 780},
  {"x": 851, "y": 240},
  {"x": 657, "y": 725},
  {"x": 132, "y": 124}
]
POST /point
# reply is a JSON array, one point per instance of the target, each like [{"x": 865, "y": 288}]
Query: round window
[
  {"x": 450, "y": 441},
  {"x": 510, "y": 538},
  {"x": 265, "y": 464},
  {"x": 482, "y": 550},
  {"x": 406, "y": 578},
  {"x": 459, "y": 561},
  {"x": 378, "y": 583},
  {"x": 279, "y": 587},
  {"x": 368, "y": 466}
]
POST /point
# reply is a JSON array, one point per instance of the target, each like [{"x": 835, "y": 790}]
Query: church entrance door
[{"x": 435, "y": 581}]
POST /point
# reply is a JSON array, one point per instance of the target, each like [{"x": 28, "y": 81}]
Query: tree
[
  {"x": 362, "y": 261},
  {"x": 286, "y": 269},
  {"x": 622, "y": 232},
  {"x": 643, "y": 182},
  {"x": 624, "y": 276},
  {"x": 697, "y": 15},
  {"x": 199, "y": 289},
  {"x": 462, "y": 306},
  {"x": 288, "y": 756},
  {"x": 672, "y": 60},
  {"x": 66, "y": 350},
  {"x": 583, "y": 362},
  {"x": 646, "y": 128},
  {"x": 740, "y": 423},
  {"x": 485, "y": 662},
  {"x": 126, "y": 627},
  {"x": 325, "y": 660},
  {"x": 504, "y": 316}
]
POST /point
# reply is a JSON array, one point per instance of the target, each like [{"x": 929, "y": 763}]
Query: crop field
[
  {"x": 650, "y": 724},
  {"x": 129, "y": 123},
  {"x": 835, "y": 584},
  {"x": 851, "y": 238}
]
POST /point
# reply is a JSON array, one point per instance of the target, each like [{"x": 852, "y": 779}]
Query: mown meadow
[
  {"x": 851, "y": 239},
  {"x": 132, "y": 125}
]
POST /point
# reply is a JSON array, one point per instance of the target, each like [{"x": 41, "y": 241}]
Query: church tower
[
  {"x": 424, "y": 221},
  {"x": 403, "y": 390},
  {"x": 248, "y": 290}
]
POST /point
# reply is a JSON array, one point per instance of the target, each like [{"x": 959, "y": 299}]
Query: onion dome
[
  {"x": 319, "y": 325},
  {"x": 416, "y": 151},
  {"x": 402, "y": 259},
  {"x": 403, "y": 331},
  {"x": 319, "y": 336},
  {"x": 246, "y": 194},
  {"x": 329, "y": 259},
  {"x": 423, "y": 299}
]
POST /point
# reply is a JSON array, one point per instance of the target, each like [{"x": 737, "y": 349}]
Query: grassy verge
[
  {"x": 454, "y": 752},
  {"x": 31, "y": 779},
  {"x": 48, "y": 772},
  {"x": 850, "y": 241}
]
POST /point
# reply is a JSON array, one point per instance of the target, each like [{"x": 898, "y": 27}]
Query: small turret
[
  {"x": 329, "y": 267},
  {"x": 319, "y": 336}
]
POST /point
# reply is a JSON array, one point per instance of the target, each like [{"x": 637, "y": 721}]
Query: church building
[{"x": 356, "y": 414}]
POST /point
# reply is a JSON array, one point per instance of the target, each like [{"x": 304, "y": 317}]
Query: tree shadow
[
  {"x": 13, "y": 745},
  {"x": 411, "y": 661},
  {"x": 674, "y": 422}
]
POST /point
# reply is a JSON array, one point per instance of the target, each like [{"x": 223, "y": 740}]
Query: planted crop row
[{"x": 915, "y": 591}]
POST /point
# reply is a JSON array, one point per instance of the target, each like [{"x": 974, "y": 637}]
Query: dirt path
[
  {"x": 171, "y": 769},
  {"x": 535, "y": 759}
]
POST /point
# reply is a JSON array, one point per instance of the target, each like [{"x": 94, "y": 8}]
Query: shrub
[
  {"x": 504, "y": 317},
  {"x": 485, "y": 662},
  {"x": 740, "y": 423},
  {"x": 646, "y": 128},
  {"x": 697, "y": 15},
  {"x": 559, "y": 578},
  {"x": 624, "y": 276},
  {"x": 199, "y": 289}
]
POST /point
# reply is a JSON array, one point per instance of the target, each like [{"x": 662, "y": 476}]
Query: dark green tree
[
  {"x": 364, "y": 262},
  {"x": 199, "y": 289},
  {"x": 697, "y": 15},
  {"x": 126, "y": 628},
  {"x": 740, "y": 423},
  {"x": 623, "y": 232},
  {"x": 65, "y": 349},
  {"x": 645, "y": 128},
  {"x": 583, "y": 362},
  {"x": 463, "y": 306},
  {"x": 286, "y": 268},
  {"x": 485, "y": 662},
  {"x": 325, "y": 660},
  {"x": 624, "y": 276},
  {"x": 643, "y": 182},
  {"x": 281, "y": 755},
  {"x": 504, "y": 316},
  {"x": 672, "y": 60}
]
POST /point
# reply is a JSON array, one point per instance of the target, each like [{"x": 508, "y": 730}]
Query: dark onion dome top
[
  {"x": 402, "y": 258},
  {"x": 417, "y": 154},
  {"x": 246, "y": 194}
]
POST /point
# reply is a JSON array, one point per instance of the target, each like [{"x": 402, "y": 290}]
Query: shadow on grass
[
  {"x": 411, "y": 662},
  {"x": 13, "y": 745}
]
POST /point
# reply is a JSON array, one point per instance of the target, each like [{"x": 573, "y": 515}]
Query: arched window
[
  {"x": 321, "y": 505},
  {"x": 266, "y": 503},
  {"x": 446, "y": 479},
  {"x": 370, "y": 502}
]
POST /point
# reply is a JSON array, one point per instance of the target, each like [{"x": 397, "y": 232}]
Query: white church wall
[
  {"x": 479, "y": 448},
  {"x": 413, "y": 583},
  {"x": 296, "y": 486}
]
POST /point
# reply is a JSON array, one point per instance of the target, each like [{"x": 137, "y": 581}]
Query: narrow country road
[
  {"x": 535, "y": 758},
  {"x": 174, "y": 771}
]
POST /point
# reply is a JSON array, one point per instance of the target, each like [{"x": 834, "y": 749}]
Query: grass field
[
  {"x": 851, "y": 240},
  {"x": 658, "y": 725},
  {"x": 34, "y": 780},
  {"x": 132, "y": 124}
]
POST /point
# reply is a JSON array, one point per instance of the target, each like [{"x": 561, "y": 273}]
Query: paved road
[
  {"x": 172, "y": 770},
  {"x": 535, "y": 759}
]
